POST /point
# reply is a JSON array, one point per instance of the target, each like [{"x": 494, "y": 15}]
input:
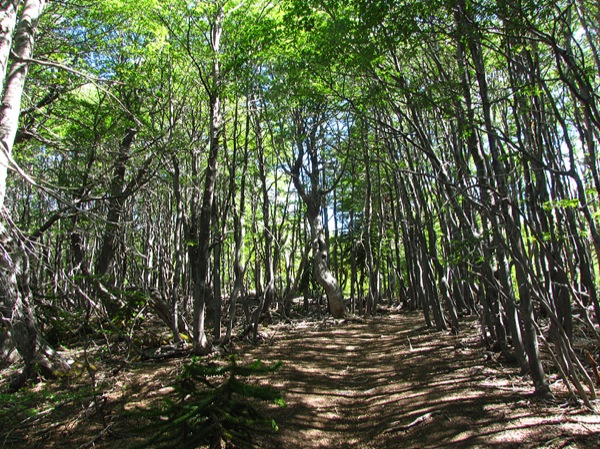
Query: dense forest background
[{"x": 191, "y": 159}]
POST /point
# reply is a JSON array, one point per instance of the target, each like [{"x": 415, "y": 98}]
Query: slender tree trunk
[
  {"x": 366, "y": 237},
  {"x": 217, "y": 299},
  {"x": 353, "y": 247},
  {"x": 269, "y": 294},
  {"x": 22, "y": 49},
  {"x": 237, "y": 211},
  {"x": 512, "y": 223},
  {"x": 498, "y": 281},
  {"x": 17, "y": 315},
  {"x": 16, "y": 311},
  {"x": 201, "y": 287},
  {"x": 238, "y": 266},
  {"x": 108, "y": 248},
  {"x": 178, "y": 251}
]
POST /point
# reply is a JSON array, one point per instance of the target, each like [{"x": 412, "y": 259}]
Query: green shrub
[{"x": 214, "y": 404}]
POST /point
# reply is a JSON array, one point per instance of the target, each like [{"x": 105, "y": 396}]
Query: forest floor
[{"x": 383, "y": 382}]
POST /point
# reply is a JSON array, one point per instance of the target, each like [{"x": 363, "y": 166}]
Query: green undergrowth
[
  {"x": 214, "y": 404},
  {"x": 31, "y": 403}
]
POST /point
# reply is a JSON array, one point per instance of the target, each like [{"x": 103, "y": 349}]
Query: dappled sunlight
[
  {"x": 349, "y": 385},
  {"x": 390, "y": 383}
]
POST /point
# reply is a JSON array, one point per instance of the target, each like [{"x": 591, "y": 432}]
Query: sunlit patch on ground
[{"x": 386, "y": 382}]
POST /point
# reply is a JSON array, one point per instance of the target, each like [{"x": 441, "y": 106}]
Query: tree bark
[
  {"x": 116, "y": 201},
  {"x": 17, "y": 314},
  {"x": 177, "y": 250},
  {"x": 22, "y": 50},
  {"x": 16, "y": 310},
  {"x": 367, "y": 237},
  {"x": 511, "y": 220},
  {"x": 8, "y": 21},
  {"x": 204, "y": 221},
  {"x": 306, "y": 142},
  {"x": 322, "y": 273},
  {"x": 269, "y": 295}
]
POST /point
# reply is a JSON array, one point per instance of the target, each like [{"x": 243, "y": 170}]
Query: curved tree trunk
[
  {"x": 22, "y": 50},
  {"x": 17, "y": 314},
  {"x": 322, "y": 273},
  {"x": 308, "y": 132},
  {"x": 511, "y": 220}
]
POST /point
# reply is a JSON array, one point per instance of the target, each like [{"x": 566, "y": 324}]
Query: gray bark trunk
[
  {"x": 307, "y": 135},
  {"x": 269, "y": 295},
  {"x": 108, "y": 248},
  {"x": 178, "y": 252},
  {"x": 22, "y": 50},
  {"x": 8, "y": 21},
  {"x": 322, "y": 273},
  {"x": 201, "y": 288},
  {"x": 17, "y": 315},
  {"x": 511, "y": 217},
  {"x": 16, "y": 312}
]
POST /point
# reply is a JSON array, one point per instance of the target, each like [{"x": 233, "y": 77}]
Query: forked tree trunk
[{"x": 307, "y": 137}]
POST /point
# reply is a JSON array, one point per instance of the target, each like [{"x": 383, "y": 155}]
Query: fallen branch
[
  {"x": 165, "y": 352},
  {"x": 98, "y": 437},
  {"x": 403, "y": 428}
]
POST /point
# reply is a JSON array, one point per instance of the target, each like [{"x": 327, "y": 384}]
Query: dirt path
[
  {"x": 388, "y": 383},
  {"x": 384, "y": 383}
]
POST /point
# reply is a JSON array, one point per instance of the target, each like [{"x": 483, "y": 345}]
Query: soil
[{"x": 383, "y": 382}]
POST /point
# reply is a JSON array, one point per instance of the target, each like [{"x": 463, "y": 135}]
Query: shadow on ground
[
  {"x": 387, "y": 382},
  {"x": 390, "y": 383}
]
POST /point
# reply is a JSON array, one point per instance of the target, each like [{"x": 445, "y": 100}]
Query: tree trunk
[
  {"x": 8, "y": 21},
  {"x": 201, "y": 287},
  {"x": 16, "y": 311},
  {"x": 511, "y": 220},
  {"x": 217, "y": 298},
  {"x": 237, "y": 211},
  {"x": 307, "y": 137},
  {"x": 269, "y": 295},
  {"x": 178, "y": 251},
  {"x": 367, "y": 237},
  {"x": 108, "y": 248},
  {"x": 22, "y": 50},
  {"x": 322, "y": 273},
  {"x": 17, "y": 315}
]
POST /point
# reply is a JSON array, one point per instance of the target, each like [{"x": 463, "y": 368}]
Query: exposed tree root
[{"x": 396, "y": 427}]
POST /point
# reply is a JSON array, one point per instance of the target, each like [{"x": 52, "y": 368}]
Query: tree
[
  {"x": 441, "y": 155},
  {"x": 14, "y": 79},
  {"x": 309, "y": 133},
  {"x": 19, "y": 322}
]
